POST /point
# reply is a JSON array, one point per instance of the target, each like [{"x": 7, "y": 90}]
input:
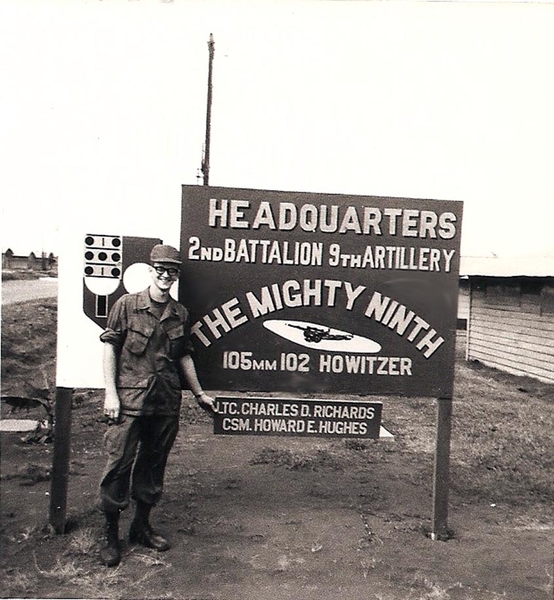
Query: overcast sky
[{"x": 103, "y": 109}]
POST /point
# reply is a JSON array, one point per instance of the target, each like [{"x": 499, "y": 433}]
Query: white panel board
[{"x": 79, "y": 349}]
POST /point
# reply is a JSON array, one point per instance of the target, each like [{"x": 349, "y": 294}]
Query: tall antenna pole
[{"x": 206, "y": 160}]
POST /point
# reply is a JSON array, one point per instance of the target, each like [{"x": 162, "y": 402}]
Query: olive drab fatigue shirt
[{"x": 148, "y": 350}]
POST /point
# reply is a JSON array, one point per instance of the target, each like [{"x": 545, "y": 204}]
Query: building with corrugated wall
[
  {"x": 511, "y": 315},
  {"x": 463, "y": 303}
]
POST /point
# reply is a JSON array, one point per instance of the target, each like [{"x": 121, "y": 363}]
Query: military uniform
[
  {"x": 149, "y": 338},
  {"x": 147, "y": 350}
]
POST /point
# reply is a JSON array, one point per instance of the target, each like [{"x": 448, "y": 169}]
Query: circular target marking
[
  {"x": 136, "y": 278},
  {"x": 101, "y": 286}
]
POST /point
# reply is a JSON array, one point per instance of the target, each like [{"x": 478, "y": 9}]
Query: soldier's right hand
[{"x": 112, "y": 407}]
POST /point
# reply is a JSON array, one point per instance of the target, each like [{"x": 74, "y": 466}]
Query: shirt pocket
[
  {"x": 177, "y": 341},
  {"x": 133, "y": 391},
  {"x": 137, "y": 337}
]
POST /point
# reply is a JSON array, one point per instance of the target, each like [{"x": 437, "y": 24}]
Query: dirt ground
[{"x": 271, "y": 518}]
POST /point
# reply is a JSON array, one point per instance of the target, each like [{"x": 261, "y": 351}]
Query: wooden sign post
[
  {"x": 60, "y": 459},
  {"x": 441, "y": 481}
]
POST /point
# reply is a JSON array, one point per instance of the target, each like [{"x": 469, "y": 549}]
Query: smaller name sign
[{"x": 297, "y": 417}]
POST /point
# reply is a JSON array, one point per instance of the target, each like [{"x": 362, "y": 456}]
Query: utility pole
[{"x": 206, "y": 159}]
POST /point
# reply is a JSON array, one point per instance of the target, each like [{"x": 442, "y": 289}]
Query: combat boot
[
  {"x": 110, "y": 554},
  {"x": 141, "y": 531}
]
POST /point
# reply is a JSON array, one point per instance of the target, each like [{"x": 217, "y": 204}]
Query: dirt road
[{"x": 21, "y": 291}]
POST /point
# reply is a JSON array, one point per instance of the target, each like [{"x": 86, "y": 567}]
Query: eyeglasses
[{"x": 171, "y": 271}]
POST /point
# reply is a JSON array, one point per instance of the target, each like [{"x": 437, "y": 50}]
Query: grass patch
[
  {"x": 82, "y": 543},
  {"x": 152, "y": 560},
  {"x": 21, "y": 275},
  {"x": 306, "y": 460},
  {"x": 502, "y": 444},
  {"x": 502, "y": 447},
  {"x": 29, "y": 475},
  {"x": 17, "y": 583},
  {"x": 29, "y": 348},
  {"x": 63, "y": 570},
  {"x": 356, "y": 445}
]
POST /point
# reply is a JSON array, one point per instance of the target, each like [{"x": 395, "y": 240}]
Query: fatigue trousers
[{"x": 138, "y": 448}]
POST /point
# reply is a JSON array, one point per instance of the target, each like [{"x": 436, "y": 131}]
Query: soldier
[{"x": 147, "y": 357}]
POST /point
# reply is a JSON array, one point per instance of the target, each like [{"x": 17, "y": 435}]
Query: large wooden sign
[{"x": 303, "y": 292}]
